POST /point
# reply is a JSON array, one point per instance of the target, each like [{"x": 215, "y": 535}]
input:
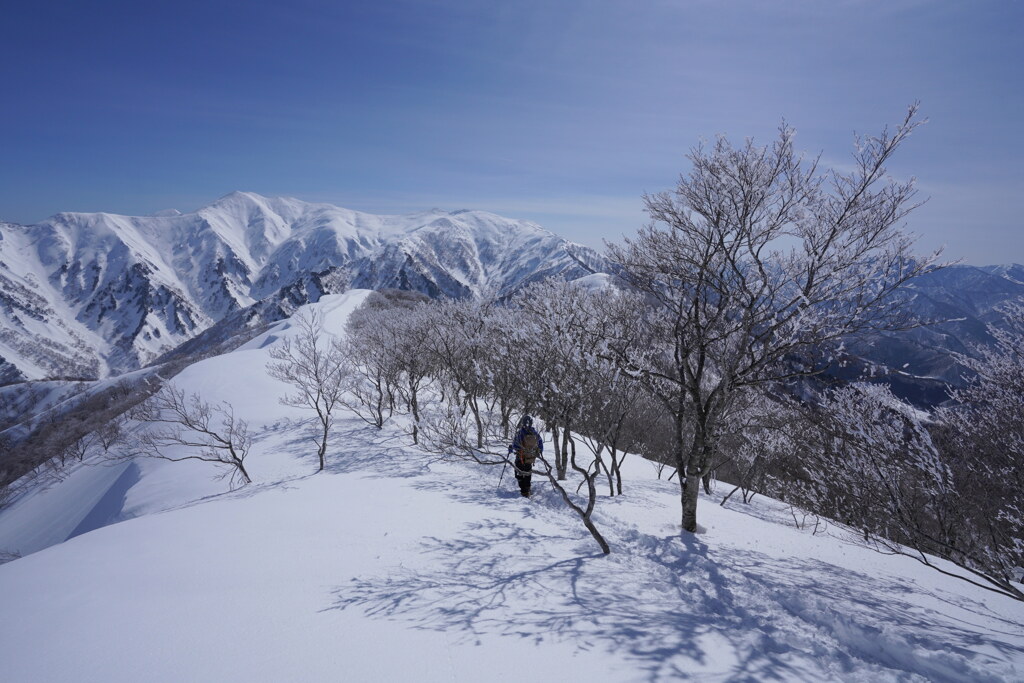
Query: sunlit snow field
[{"x": 395, "y": 564}]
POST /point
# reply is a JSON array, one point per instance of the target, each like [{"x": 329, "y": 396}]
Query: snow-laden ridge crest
[
  {"x": 394, "y": 564},
  {"x": 87, "y": 294}
]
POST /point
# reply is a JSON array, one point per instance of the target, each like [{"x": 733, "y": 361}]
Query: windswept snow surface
[{"x": 397, "y": 565}]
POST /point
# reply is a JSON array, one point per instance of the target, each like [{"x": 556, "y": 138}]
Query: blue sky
[{"x": 564, "y": 112}]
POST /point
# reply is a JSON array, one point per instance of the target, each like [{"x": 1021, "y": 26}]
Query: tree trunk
[
  {"x": 505, "y": 410},
  {"x": 414, "y": 404},
  {"x": 591, "y": 499},
  {"x": 378, "y": 410},
  {"x": 697, "y": 467},
  {"x": 597, "y": 535},
  {"x": 479, "y": 422},
  {"x": 322, "y": 451},
  {"x": 617, "y": 468},
  {"x": 684, "y": 464},
  {"x": 562, "y": 465},
  {"x": 241, "y": 469},
  {"x": 690, "y": 491},
  {"x": 728, "y": 496},
  {"x": 556, "y": 441},
  {"x": 607, "y": 470}
]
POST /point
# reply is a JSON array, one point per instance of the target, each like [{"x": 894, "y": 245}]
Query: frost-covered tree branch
[
  {"x": 908, "y": 494},
  {"x": 316, "y": 371},
  {"x": 756, "y": 263}
]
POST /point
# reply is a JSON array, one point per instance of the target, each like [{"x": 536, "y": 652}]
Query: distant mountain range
[
  {"x": 964, "y": 300},
  {"x": 85, "y": 295},
  {"x": 96, "y": 294}
]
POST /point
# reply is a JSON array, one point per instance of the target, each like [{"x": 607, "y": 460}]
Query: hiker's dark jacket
[
  {"x": 524, "y": 468},
  {"x": 517, "y": 443}
]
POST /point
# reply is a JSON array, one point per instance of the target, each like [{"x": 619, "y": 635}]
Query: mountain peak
[
  {"x": 241, "y": 194},
  {"x": 1013, "y": 272},
  {"x": 238, "y": 197},
  {"x": 128, "y": 288}
]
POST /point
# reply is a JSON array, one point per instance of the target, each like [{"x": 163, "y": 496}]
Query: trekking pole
[
  {"x": 502, "y": 475},
  {"x": 505, "y": 467}
]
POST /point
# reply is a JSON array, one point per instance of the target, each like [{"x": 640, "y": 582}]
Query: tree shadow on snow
[
  {"x": 350, "y": 449},
  {"x": 498, "y": 579},
  {"x": 669, "y": 605},
  {"x": 873, "y": 619},
  {"x": 672, "y": 611}
]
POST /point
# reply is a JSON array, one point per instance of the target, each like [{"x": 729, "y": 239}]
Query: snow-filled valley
[{"x": 398, "y": 564}]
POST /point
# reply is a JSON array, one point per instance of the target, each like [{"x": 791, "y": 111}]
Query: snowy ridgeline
[
  {"x": 396, "y": 565},
  {"x": 91, "y": 294}
]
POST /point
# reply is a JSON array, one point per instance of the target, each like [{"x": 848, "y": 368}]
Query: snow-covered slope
[
  {"x": 92, "y": 294},
  {"x": 393, "y": 565}
]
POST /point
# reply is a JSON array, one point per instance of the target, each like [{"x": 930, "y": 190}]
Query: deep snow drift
[{"x": 397, "y": 565}]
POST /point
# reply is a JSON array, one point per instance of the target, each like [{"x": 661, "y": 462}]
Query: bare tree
[
  {"x": 563, "y": 359},
  {"x": 611, "y": 409},
  {"x": 460, "y": 344},
  {"x": 755, "y": 264},
  {"x": 181, "y": 427},
  {"x": 371, "y": 386},
  {"x": 376, "y": 367},
  {"x": 104, "y": 438},
  {"x": 507, "y": 364},
  {"x": 316, "y": 369},
  {"x": 884, "y": 474},
  {"x": 388, "y": 345},
  {"x": 761, "y": 433},
  {"x": 982, "y": 438},
  {"x": 410, "y": 340}
]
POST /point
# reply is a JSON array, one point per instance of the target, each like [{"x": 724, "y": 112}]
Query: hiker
[{"x": 527, "y": 446}]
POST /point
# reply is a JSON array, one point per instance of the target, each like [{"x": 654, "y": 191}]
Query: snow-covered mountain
[
  {"x": 963, "y": 300},
  {"x": 92, "y": 294}
]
